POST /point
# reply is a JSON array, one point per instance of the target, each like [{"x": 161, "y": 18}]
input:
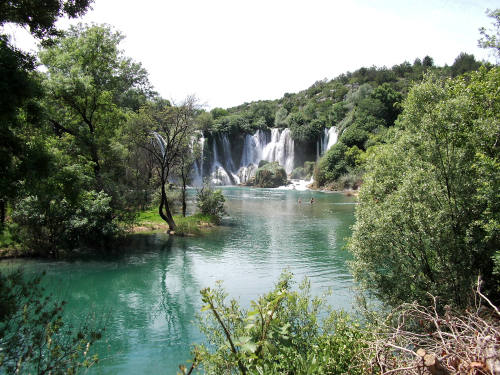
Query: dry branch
[{"x": 423, "y": 342}]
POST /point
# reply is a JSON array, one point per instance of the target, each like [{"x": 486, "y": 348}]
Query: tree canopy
[{"x": 428, "y": 219}]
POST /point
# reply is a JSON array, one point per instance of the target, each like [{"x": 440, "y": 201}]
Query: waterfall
[
  {"x": 252, "y": 148},
  {"x": 280, "y": 149},
  {"x": 327, "y": 140},
  {"x": 161, "y": 142},
  {"x": 275, "y": 145},
  {"x": 223, "y": 174},
  {"x": 197, "y": 175}
]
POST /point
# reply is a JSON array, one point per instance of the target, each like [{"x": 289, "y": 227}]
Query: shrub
[
  {"x": 211, "y": 202},
  {"x": 51, "y": 224},
  {"x": 297, "y": 173},
  {"x": 262, "y": 163},
  {"x": 282, "y": 333}
]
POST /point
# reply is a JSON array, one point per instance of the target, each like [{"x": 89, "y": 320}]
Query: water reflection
[{"x": 152, "y": 286}]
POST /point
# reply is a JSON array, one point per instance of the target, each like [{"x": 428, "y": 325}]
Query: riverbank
[{"x": 193, "y": 225}]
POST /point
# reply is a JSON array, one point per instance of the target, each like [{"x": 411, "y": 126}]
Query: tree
[
  {"x": 164, "y": 131},
  {"x": 184, "y": 167},
  {"x": 280, "y": 118},
  {"x": 40, "y": 16},
  {"x": 20, "y": 89},
  {"x": 218, "y": 112},
  {"x": 211, "y": 202},
  {"x": 464, "y": 63},
  {"x": 428, "y": 222},
  {"x": 19, "y": 110},
  {"x": 491, "y": 38},
  {"x": 87, "y": 84},
  {"x": 390, "y": 98},
  {"x": 428, "y": 61},
  {"x": 204, "y": 121}
]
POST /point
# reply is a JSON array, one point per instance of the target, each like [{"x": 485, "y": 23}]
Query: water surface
[{"x": 151, "y": 288}]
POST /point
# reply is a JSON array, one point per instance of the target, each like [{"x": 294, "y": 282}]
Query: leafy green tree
[
  {"x": 354, "y": 136},
  {"x": 303, "y": 129},
  {"x": 233, "y": 124},
  {"x": 331, "y": 166},
  {"x": 391, "y": 99},
  {"x": 262, "y": 110},
  {"x": 164, "y": 131},
  {"x": 280, "y": 118},
  {"x": 428, "y": 61},
  {"x": 40, "y": 16},
  {"x": 87, "y": 84},
  {"x": 491, "y": 38},
  {"x": 59, "y": 211},
  {"x": 205, "y": 121},
  {"x": 464, "y": 63},
  {"x": 218, "y": 112},
  {"x": 21, "y": 90},
  {"x": 19, "y": 111},
  {"x": 428, "y": 222},
  {"x": 338, "y": 112},
  {"x": 211, "y": 202}
]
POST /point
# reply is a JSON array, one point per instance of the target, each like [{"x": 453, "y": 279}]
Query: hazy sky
[{"x": 228, "y": 52}]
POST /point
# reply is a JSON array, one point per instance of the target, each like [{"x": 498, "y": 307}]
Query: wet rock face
[{"x": 271, "y": 175}]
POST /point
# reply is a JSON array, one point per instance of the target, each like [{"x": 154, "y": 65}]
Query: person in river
[
  {"x": 300, "y": 200},
  {"x": 312, "y": 200}
]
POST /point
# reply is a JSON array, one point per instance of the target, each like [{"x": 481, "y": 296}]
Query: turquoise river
[{"x": 150, "y": 290}]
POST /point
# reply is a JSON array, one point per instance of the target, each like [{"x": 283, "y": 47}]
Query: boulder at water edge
[{"x": 270, "y": 175}]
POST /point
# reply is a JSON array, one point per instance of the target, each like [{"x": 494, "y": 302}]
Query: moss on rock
[{"x": 270, "y": 175}]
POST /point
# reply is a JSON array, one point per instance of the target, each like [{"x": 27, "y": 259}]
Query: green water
[{"x": 151, "y": 289}]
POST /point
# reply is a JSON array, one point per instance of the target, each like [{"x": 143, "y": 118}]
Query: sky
[{"x": 228, "y": 52}]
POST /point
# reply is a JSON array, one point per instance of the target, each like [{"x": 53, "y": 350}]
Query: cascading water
[
  {"x": 328, "y": 139},
  {"x": 197, "y": 176},
  {"x": 222, "y": 174},
  {"x": 280, "y": 149},
  {"x": 271, "y": 145}
]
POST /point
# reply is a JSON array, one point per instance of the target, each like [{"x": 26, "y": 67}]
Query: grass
[{"x": 185, "y": 226}]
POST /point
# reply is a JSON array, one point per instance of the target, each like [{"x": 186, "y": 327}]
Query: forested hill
[{"x": 363, "y": 106}]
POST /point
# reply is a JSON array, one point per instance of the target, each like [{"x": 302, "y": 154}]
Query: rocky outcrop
[{"x": 271, "y": 175}]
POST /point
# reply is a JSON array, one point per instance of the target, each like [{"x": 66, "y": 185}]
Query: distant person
[
  {"x": 312, "y": 200},
  {"x": 300, "y": 201}
]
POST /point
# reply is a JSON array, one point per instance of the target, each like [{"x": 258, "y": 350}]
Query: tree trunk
[
  {"x": 167, "y": 215},
  {"x": 2, "y": 212},
  {"x": 184, "y": 205}
]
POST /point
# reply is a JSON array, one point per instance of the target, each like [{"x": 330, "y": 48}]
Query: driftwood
[{"x": 423, "y": 342}]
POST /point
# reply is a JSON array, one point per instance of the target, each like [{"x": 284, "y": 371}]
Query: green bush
[
  {"x": 297, "y": 173},
  {"x": 50, "y": 224},
  {"x": 332, "y": 165},
  {"x": 283, "y": 332},
  {"x": 211, "y": 202},
  {"x": 262, "y": 163}
]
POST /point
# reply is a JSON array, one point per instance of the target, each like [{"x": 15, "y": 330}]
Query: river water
[{"x": 150, "y": 290}]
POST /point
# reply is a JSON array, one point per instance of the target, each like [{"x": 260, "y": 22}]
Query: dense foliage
[
  {"x": 283, "y": 332},
  {"x": 211, "y": 202},
  {"x": 428, "y": 219}
]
